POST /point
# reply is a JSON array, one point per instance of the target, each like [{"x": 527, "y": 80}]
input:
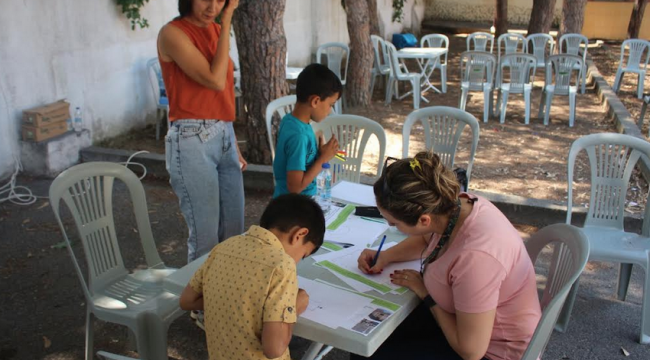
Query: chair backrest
[
  {"x": 570, "y": 255},
  {"x": 379, "y": 48},
  {"x": 477, "y": 68},
  {"x": 87, "y": 190},
  {"x": 511, "y": 43},
  {"x": 559, "y": 71},
  {"x": 335, "y": 52},
  {"x": 436, "y": 41},
  {"x": 281, "y": 106},
  {"x": 635, "y": 50},
  {"x": 541, "y": 46},
  {"x": 397, "y": 71},
  {"x": 574, "y": 44},
  {"x": 443, "y": 126},
  {"x": 521, "y": 68},
  {"x": 612, "y": 158},
  {"x": 155, "y": 79},
  {"x": 481, "y": 42},
  {"x": 353, "y": 133}
]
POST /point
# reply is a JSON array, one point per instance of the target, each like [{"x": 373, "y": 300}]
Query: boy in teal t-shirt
[{"x": 298, "y": 155}]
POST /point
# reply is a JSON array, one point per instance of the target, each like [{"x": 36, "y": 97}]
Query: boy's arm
[
  {"x": 281, "y": 308},
  {"x": 298, "y": 180},
  {"x": 190, "y": 299}
]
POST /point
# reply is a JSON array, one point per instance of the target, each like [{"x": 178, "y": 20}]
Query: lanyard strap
[{"x": 453, "y": 219}]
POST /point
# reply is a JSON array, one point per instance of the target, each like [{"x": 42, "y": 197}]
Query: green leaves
[
  {"x": 131, "y": 8},
  {"x": 398, "y": 10}
]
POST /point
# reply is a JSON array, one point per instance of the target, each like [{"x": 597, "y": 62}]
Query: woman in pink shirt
[{"x": 477, "y": 282}]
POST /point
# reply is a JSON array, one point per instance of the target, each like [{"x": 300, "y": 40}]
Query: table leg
[{"x": 313, "y": 351}]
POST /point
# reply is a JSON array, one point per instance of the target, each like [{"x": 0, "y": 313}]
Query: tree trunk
[
  {"x": 541, "y": 17},
  {"x": 374, "y": 17},
  {"x": 262, "y": 50},
  {"x": 357, "y": 90},
  {"x": 573, "y": 16},
  {"x": 501, "y": 18},
  {"x": 636, "y": 18}
]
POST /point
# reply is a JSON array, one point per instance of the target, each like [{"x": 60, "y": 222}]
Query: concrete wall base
[{"x": 52, "y": 156}]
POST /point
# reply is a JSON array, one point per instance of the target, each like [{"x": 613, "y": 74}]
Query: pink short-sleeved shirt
[{"x": 487, "y": 267}]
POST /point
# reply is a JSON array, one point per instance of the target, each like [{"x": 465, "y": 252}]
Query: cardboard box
[
  {"x": 47, "y": 114},
  {"x": 33, "y": 133}
]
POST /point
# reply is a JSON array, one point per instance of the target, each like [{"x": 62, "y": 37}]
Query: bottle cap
[{"x": 326, "y": 165}]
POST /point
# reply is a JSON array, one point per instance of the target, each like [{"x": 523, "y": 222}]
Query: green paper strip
[
  {"x": 375, "y": 300},
  {"x": 357, "y": 277},
  {"x": 401, "y": 290},
  {"x": 330, "y": 246},
  {"x": 340, "y": 219}
]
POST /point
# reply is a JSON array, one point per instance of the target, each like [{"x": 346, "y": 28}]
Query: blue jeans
[{"x": 203, "y": 165}]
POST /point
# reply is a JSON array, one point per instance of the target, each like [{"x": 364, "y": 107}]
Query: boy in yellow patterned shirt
[{"x": 248, "y": 286}]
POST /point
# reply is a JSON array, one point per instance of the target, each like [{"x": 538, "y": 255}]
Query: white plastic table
[
  {"x": 428, "y": 58},
  {"x": 321, "y": 335}
]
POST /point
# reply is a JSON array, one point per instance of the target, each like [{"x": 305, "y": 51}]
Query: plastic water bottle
[
  {"x": 68, "y": 122},
  {"x": 324, "y": 185},
  {"x": 78, "y": 126}
]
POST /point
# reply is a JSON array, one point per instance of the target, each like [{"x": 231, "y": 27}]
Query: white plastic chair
[
  {"x": 113, "y": 294},
  {"x": 352, "y": 133},
  {"x": 612, "y": 158},
  {"x": 477, "y": 74},
  {"x": 480, "y": 40},
  {"x": 397, "y": 73},
  {"x": 291, "y": 72},
  {"x": 559, "y": 75},
  {"x": 158, "y": 88},
  {"x": 541, "y": 46},
  {"x": 634, "y": 64},
  {"x": 509, "y": 43},
  {"x": 381, "y": 65},
  {"x": 570, "y": 253},
  {"x": 335, "y": 53},
  {"x": 646, "y": 100},
  {"x": 438, "y": 41},
  {"x": 281, "y": 106},
  {"x": 575, "y": 44},
  {"x": 520, "y": 69},
  {"x": 443, "y": 126}
]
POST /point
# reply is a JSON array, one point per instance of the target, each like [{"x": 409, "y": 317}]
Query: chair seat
[
  {"x": 481, "y": 87},
  {"x": 134, "y": 293},
  {"x": 408, "y": 76},
  {"x": 551, "y": 88},
  {"x": 633, "y": 70},
  {"x": 515, "y": 90},
  {"x": 608, "y": 244}
]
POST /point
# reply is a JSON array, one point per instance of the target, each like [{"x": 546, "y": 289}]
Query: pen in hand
[{"x": 374, "y": 261}]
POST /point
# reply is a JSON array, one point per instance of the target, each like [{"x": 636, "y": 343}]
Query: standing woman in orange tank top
[{"x": 203, "y": 158}]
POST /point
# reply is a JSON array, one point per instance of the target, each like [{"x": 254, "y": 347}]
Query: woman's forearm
[{"x": 219, "y": 65}]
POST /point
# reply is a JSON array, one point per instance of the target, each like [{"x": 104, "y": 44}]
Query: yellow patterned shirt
[{"x": 247, "y": 280}]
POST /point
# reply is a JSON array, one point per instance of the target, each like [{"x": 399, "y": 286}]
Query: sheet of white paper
[
  {"x": 330, "y": 306},
  {"x": 356, "y": 231},
  {"x": 346, "y": 260},
  {"x": 354, "y": 193},
  {"x": 357, "y": 286}
]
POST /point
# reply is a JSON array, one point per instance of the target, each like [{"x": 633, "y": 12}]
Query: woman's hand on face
[
  {"x": 366, "y": 259},
  {"x": 230, "y": 9},
  {"x": 410, "y": 279}
]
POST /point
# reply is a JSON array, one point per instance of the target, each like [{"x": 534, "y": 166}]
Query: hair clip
[{"x": 415, "y": 164}]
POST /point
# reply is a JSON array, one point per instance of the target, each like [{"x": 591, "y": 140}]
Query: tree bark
[
  {"x": 541, "y": 17},
  {"x": 374, "y": 17},
  {"x": 573, "y": 16},
  {"x": 262, "y": 48},
  {"x": 501, "y": 18},
  {"x": 357, "y": 90},
  {"x": 636, "y": 18}
]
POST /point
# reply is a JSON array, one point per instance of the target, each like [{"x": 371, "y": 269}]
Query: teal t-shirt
[{"x": 295, "y": 150}]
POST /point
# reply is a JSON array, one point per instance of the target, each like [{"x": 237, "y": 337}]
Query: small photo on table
[
  {"x": 380, "y": 314},
  {"x": 365, "y": 326}
]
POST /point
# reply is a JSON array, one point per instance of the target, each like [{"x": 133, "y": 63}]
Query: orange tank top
[{"x": 187, "y": 98}]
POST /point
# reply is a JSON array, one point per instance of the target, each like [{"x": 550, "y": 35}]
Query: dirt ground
[{"x": 512, "y": 158}]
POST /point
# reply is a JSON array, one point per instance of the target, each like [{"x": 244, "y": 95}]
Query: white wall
[
  {"x": 81, "y": 50},
  {"x": 308, "y": 23}
]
